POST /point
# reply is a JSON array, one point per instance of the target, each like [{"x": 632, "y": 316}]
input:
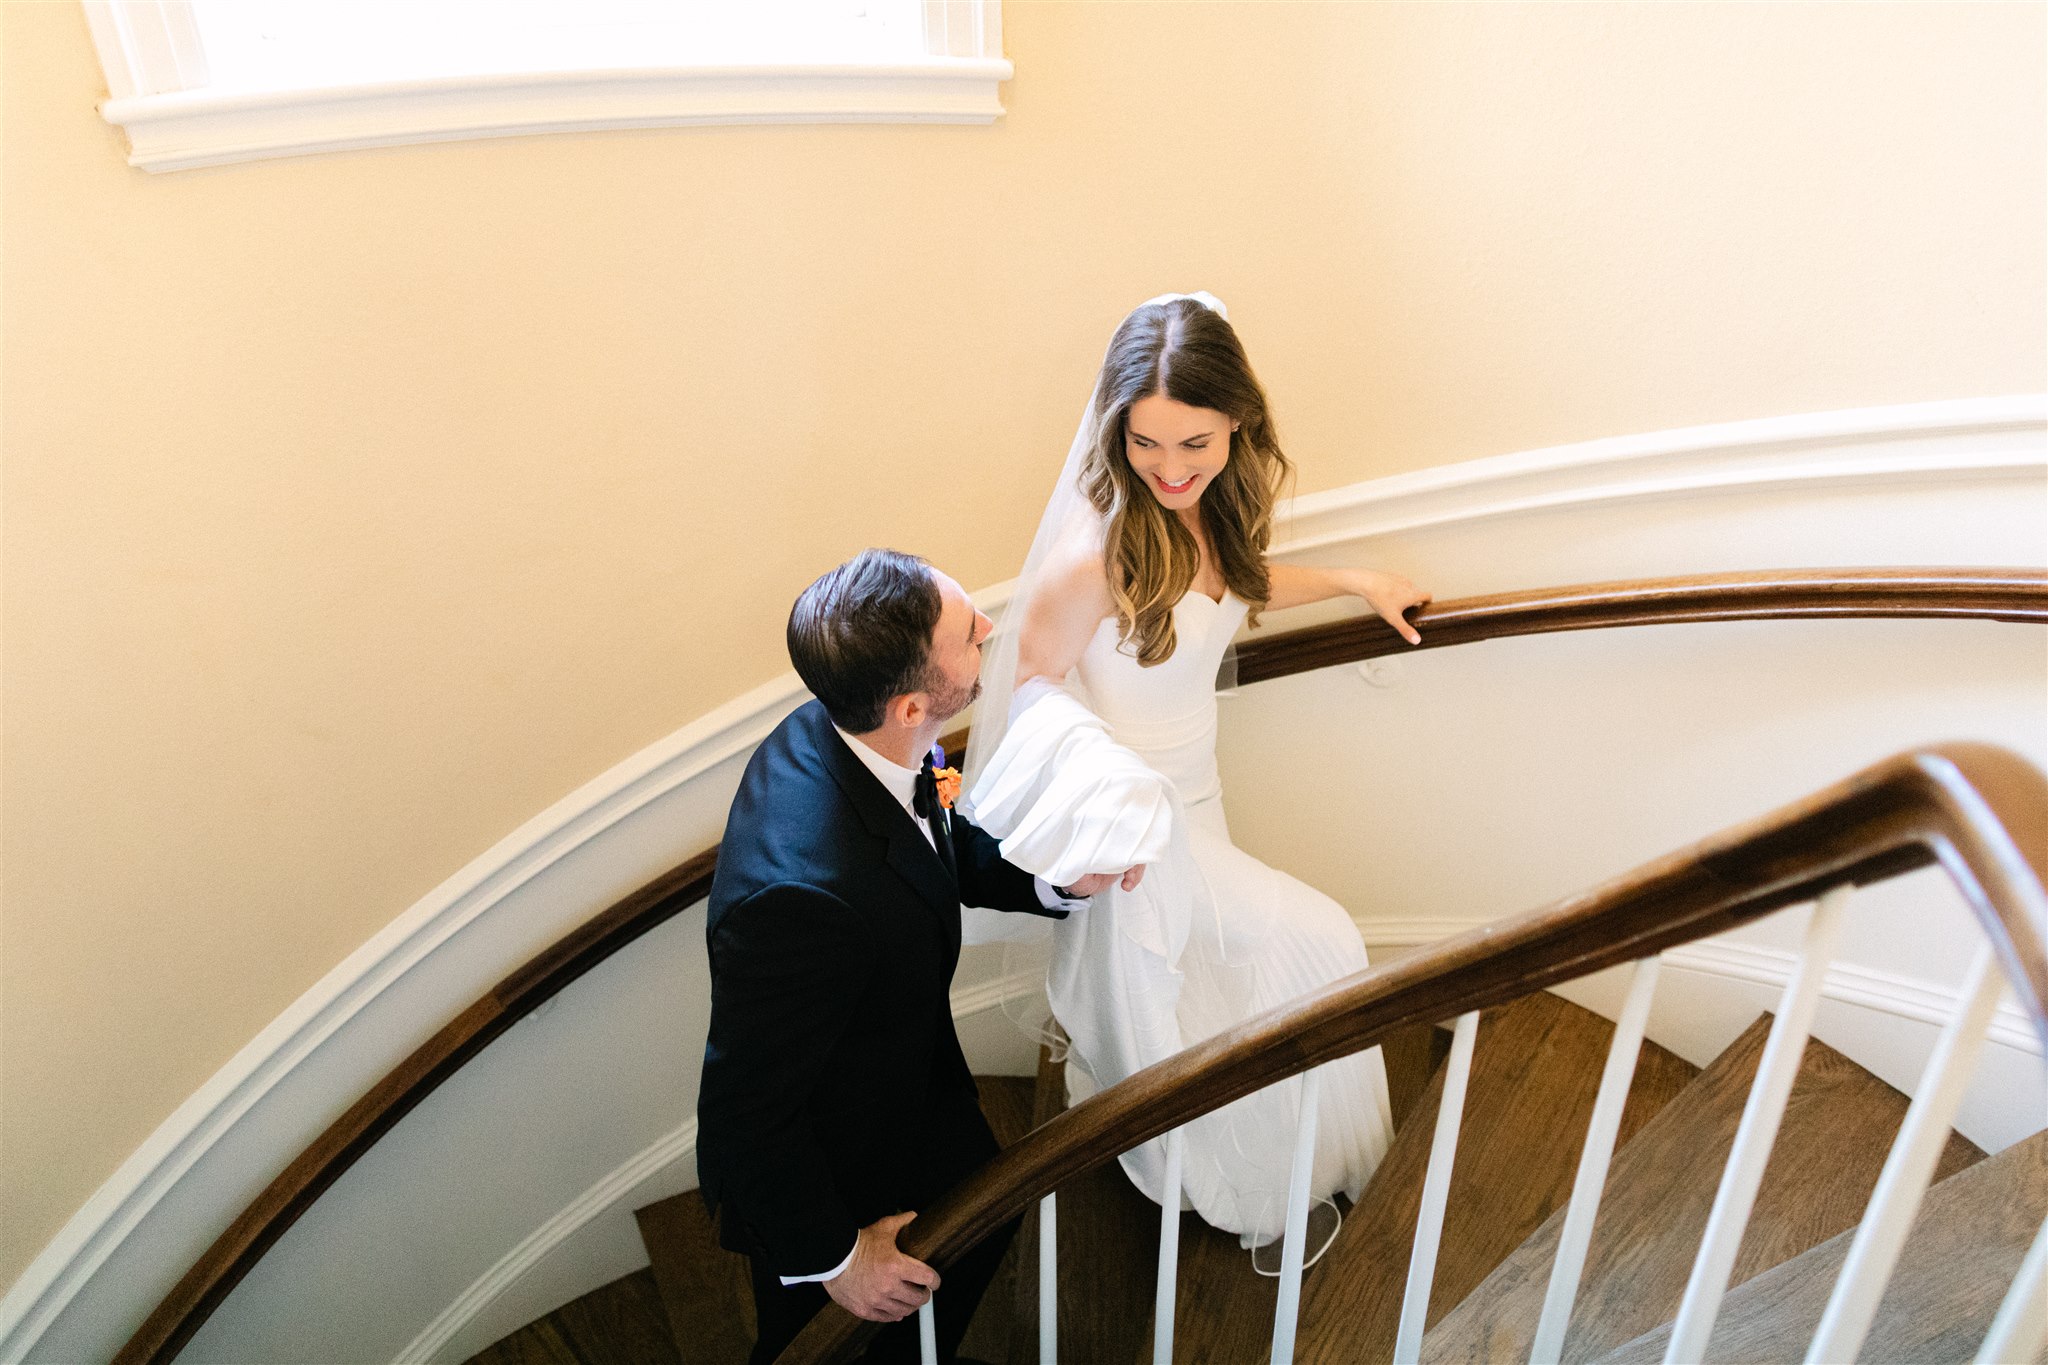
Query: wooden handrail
[
  {"x": 1979, "y": 811},
  {"x": 1801, "y": 594},
  {"x": 1995, "y": 594}
]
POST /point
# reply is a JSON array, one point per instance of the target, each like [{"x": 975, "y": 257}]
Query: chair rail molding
[
  {"x": 1958, "y": 439},
  {"x": 97, "y": 1278}
]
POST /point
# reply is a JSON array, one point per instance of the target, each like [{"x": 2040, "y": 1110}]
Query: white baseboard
[{"x": 1903, "y": 997}]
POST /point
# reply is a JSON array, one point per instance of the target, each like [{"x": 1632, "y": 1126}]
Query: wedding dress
[{"x": 1118, "y": 767}]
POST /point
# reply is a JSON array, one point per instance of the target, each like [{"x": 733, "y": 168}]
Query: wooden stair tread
[
  {"x": 1837, "y": 1126},
  {"x": 1967, "y": 1242},
  {"x": 620, "y": 1323},
  {"x": 1223, "y": 1309},
  {"x": 1009, "y": 1103},
  {"x": 705, "y": 1289},
  {"x": 1412, "y": 1056},
  {"x": 1536, "y": 1070}
]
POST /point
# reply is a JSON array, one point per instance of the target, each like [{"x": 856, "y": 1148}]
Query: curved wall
[{"x": 357, "y": 507}]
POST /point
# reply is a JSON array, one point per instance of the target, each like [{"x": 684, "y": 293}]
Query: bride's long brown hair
[{"x": 1192, "y": 355}]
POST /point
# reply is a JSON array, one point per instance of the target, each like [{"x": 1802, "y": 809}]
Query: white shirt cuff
[
  {"x": 1053, "y": 900},
  {"x": 834, "y": 1273}
]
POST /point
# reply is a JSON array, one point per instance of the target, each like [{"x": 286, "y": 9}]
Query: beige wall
[{"x": 360, "y": 506}]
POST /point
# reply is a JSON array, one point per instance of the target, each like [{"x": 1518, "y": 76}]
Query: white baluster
[
  {"x": 1436, "y": 1192},
  {"x": 1735, "y": 1199},
  {"x": 1048, "y": 1282},
  {"x": 1169, "y": 1250},
  {"x": 927, "y": 1333},
  {"x": 1907, "y": 1169},
  {"x": 1577, "y": 1235},
  {"x": 2022, "y": 1322},
  {"x": 1288, "y": 1310}
]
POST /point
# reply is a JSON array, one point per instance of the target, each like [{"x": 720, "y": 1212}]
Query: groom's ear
[{"x": 907, "y": 709}]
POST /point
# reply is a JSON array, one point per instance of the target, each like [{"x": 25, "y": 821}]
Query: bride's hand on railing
[
  {"x": 1388, "y": 594},
  {"x": 1391, "y": 595},
  {"x": 1087, "y": 886},
  {"x": 882, "y": 1284}
]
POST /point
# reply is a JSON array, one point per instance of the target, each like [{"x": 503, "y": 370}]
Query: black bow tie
[{"x": 924, "y": 797}]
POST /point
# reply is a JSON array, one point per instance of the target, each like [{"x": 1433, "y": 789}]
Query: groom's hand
[
  {"x": 1102, "y": 881},
  {"x": 882, "y": 1284}
]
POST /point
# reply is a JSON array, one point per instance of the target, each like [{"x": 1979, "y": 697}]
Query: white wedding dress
[{"x": 1118, "y": 767}]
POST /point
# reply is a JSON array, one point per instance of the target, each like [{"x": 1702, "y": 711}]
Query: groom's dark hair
[{"x": 862, "y": 634}]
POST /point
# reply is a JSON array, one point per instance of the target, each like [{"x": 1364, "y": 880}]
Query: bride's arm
[
  {"x": 1072, "y": 599},
  {"x": 1386, "y": 593}
]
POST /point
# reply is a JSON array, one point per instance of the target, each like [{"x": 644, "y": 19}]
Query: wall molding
[
  {"x": 676, "y": 1145},
  {"x": 183, "y": 129},
  {"x": 1903, "y": 997},
  {"x": 1959, "y": 440},
  {"x": 159, "y": 79}
]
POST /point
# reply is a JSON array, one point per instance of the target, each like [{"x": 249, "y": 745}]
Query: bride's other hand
[
  {"x": 1391, "y": 595},
  {"x": 1102, "y": 881}
]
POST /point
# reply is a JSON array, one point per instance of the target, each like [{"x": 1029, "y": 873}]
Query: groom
[{"x": 835, "y": 1100}]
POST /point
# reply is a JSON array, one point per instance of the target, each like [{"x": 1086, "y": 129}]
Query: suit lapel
[
  {"x": 911, "y": 856},
  {"x": 942, "y": 838}
]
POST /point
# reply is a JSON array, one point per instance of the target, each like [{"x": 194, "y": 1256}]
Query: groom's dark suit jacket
[{"x": 834, "y": 1090}]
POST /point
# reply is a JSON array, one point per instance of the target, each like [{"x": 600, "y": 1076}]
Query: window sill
[{"x": 177, "y": 131}]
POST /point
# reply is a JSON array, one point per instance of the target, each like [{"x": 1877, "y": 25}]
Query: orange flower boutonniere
[{"x": 949, "y": 785}]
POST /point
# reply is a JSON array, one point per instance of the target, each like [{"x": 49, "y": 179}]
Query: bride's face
[{"x": 1177, "y": 450}]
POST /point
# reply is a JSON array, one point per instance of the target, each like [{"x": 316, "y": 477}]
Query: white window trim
[{"x": 156, "y": 76}]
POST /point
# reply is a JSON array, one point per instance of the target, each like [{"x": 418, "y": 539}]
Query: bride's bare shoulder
[
  {"x": 1070, "y": 599},
  {"x": 1075, "y": 575}
]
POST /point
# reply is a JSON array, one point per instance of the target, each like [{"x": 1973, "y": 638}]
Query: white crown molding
[
  {"x": 1959, "y": 439},
  {"x": 146, "y": 47},
  {"x": 178, "y": 130},
  {"x": 671, "y": 1149},
  {"x": 1947, "y": 440}
]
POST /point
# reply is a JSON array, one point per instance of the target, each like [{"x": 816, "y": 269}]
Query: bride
[{"x": 1150, "y": 557}]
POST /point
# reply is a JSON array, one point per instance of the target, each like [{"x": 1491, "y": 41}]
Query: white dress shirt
[{"x": 901, "y": 783}]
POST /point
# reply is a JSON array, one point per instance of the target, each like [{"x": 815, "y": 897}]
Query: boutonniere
[{"x": 948, "y": 779}]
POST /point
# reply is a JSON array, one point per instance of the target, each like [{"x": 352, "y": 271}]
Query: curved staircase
[
  {"x": 1979, "y": 813},
  {"x": 1536, "y": 1069}
]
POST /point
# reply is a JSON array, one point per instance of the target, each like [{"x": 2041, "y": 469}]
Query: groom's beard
[{"x": 948, "y": 702}]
